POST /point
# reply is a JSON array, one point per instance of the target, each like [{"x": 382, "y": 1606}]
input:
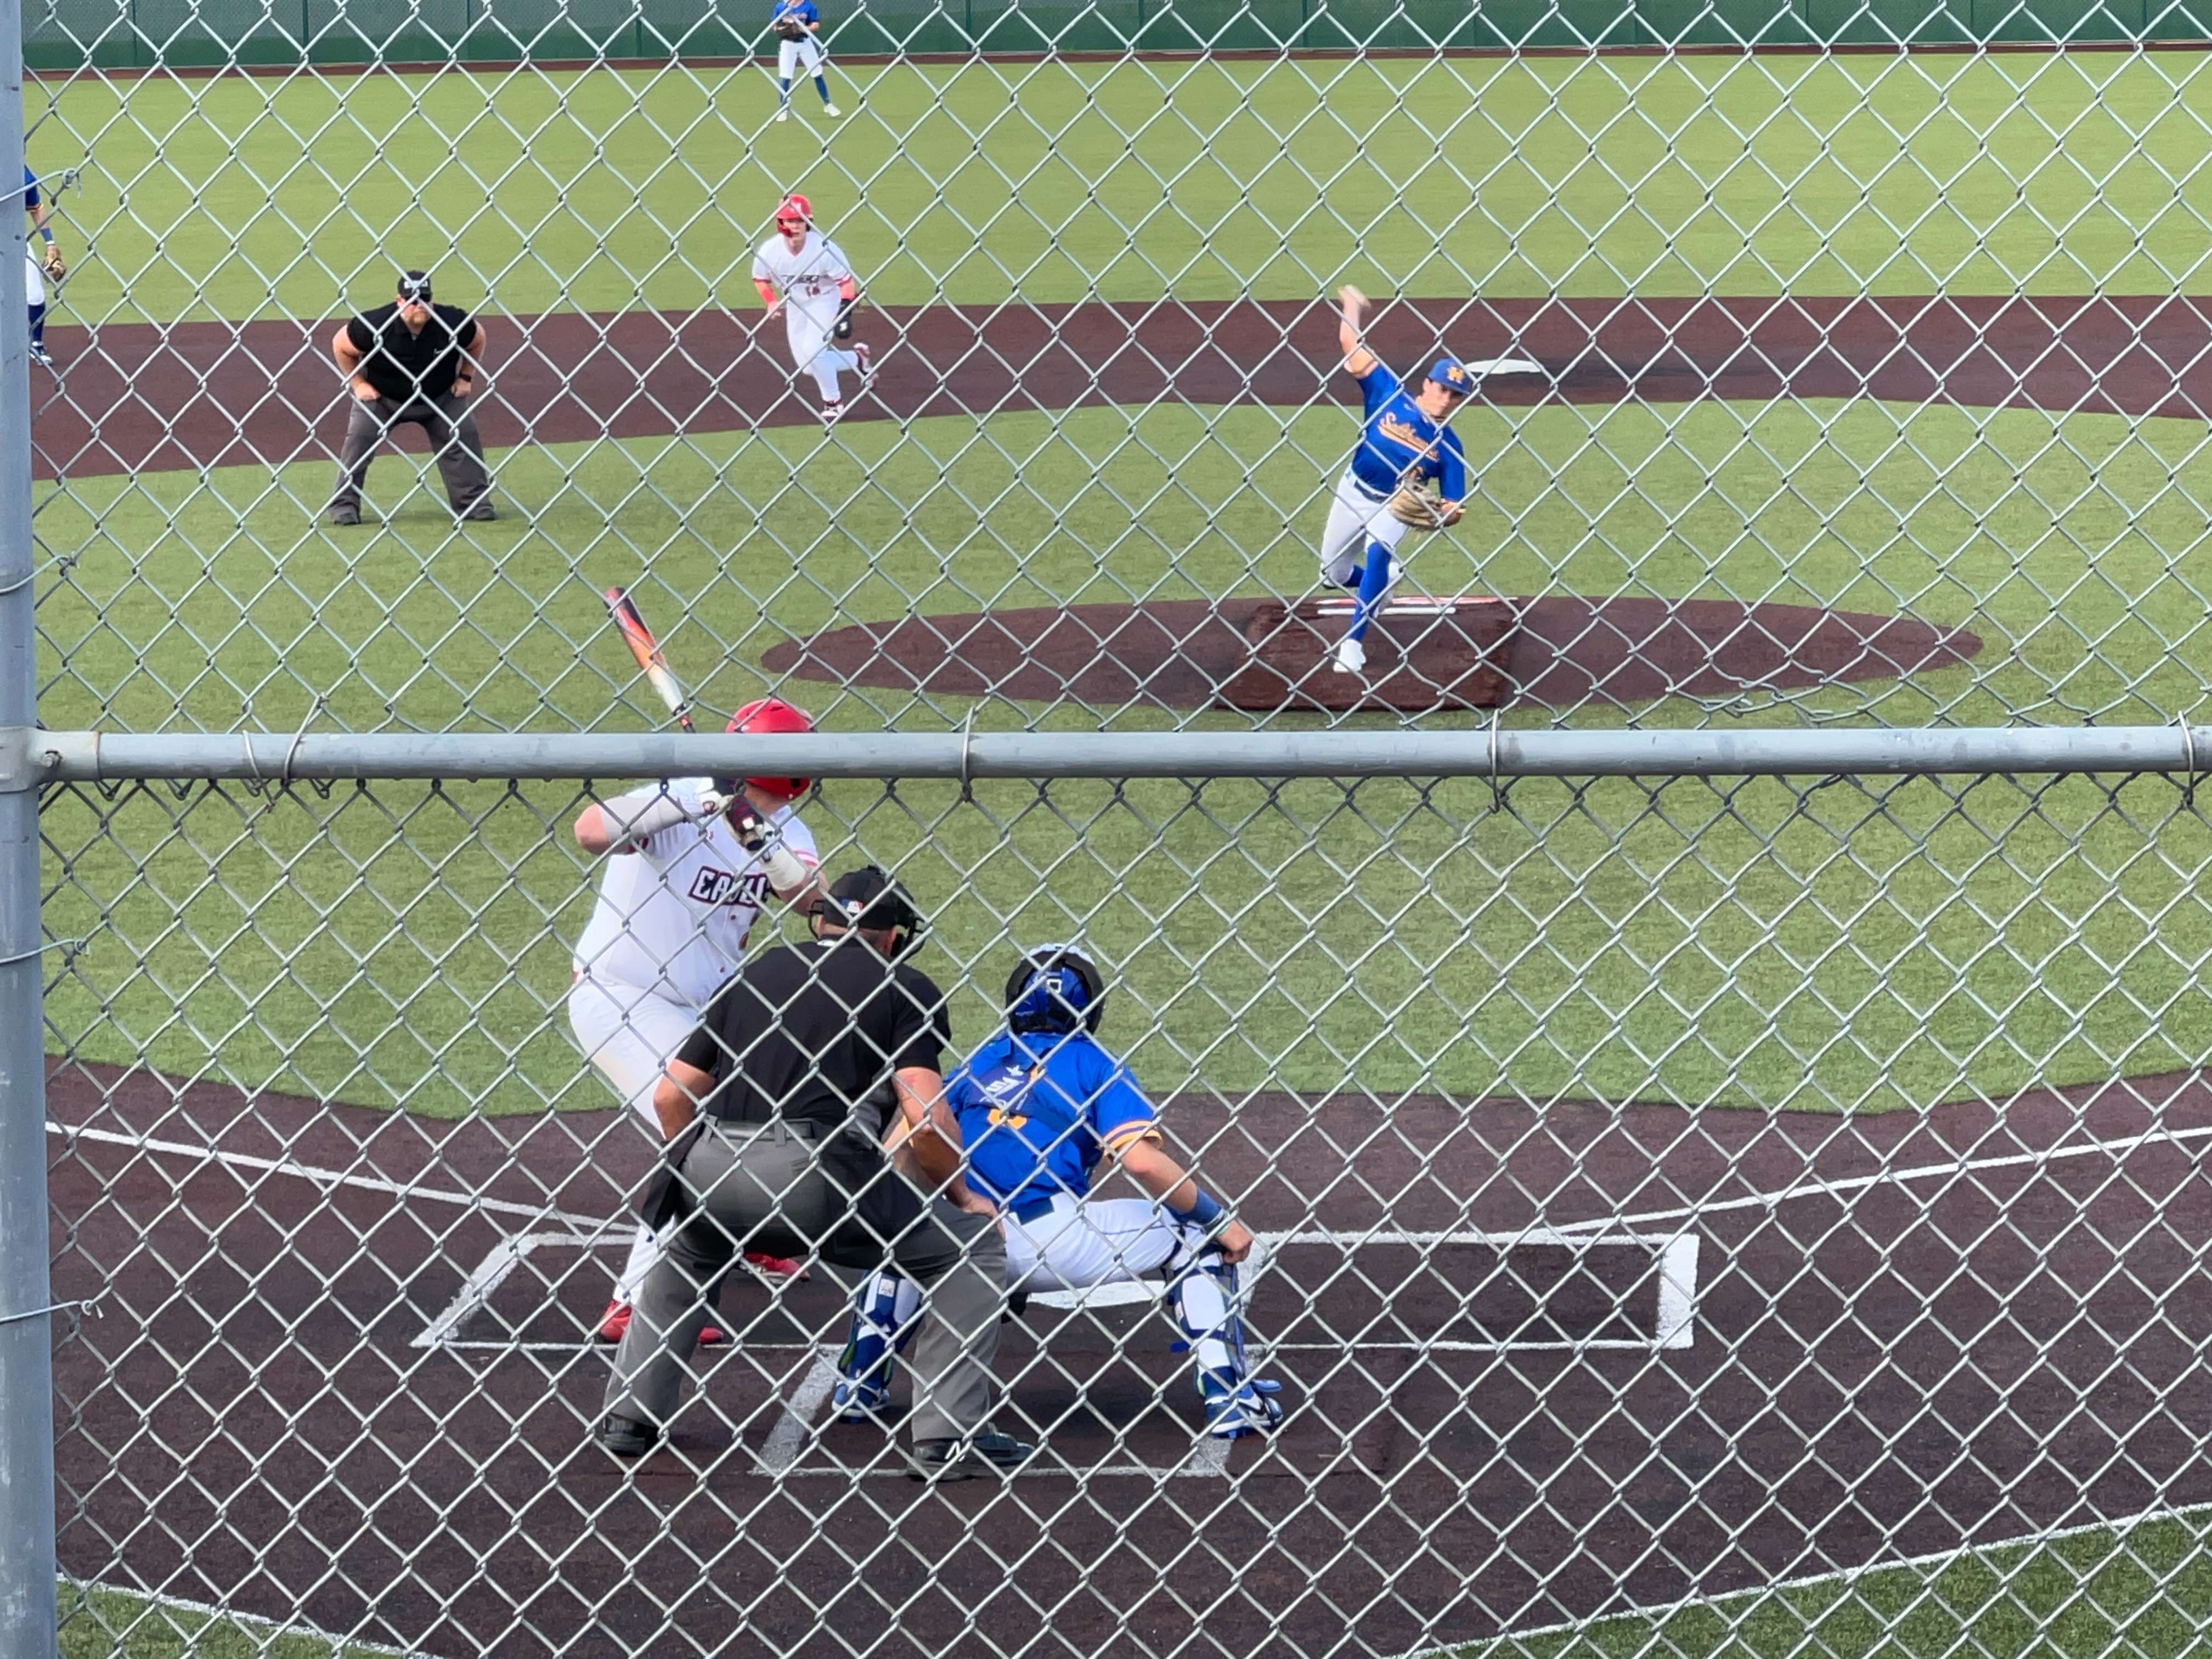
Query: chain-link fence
[{"x": 1706, "y": 1024}]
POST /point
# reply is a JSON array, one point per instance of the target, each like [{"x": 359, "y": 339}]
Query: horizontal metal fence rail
[{"x": 90, "y": 757}]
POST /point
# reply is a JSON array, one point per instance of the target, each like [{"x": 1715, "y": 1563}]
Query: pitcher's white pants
[
  {"x": 813, "y": 354},
  {"x": 1355, "y": 519},
  {"x": 630, "y": 1034}
]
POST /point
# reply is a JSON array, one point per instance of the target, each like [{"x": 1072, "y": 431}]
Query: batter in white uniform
[
  {"x": 803, "y": 274},
  {"x": 689, "y": 871}
]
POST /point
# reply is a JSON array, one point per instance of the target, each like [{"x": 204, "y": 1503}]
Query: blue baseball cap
[{"x": 1451, "y": 374}]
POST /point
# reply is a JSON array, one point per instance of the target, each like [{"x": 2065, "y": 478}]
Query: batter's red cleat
[
  {"x": 614, "y": 1324},
  {"x": 775, "y": 1267}
]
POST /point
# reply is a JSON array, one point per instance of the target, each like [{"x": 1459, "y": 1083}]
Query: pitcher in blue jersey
[
  {"x": 1404, "y": 441},
  {"x": 1040, "y": 1106}
]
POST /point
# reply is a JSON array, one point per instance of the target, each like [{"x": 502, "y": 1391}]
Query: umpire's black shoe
[
  {"x": 625, "y": 1437},
  {"x": 964, "y": 1459}
]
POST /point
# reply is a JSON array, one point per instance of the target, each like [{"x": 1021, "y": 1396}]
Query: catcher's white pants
[
  {"x": 794, "y": 57},
  {"x": 629, "y": 1034},
  {"x": 1101, "y": 1241},
  {"x": 1355, "y": 519},
  {"x": 34, "y": 282},
  {"x": 811, "y": 351}
]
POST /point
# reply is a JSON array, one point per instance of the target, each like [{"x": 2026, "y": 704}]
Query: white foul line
[
  {"x": 1856, "y": 1183},
  {"x": 592, "y": 1224},
  {"x": 340, "y": 1645},
  {"x": 1659, "y": 1612},
  {"x": 476, "y": 1290}
]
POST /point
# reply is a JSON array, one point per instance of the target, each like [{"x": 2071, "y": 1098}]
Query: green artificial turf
[
  {"x": 105, "y": 1624},
  {"x": 1861, "y": 945},
  {"x": 2144, "y": 1589},
  {"x": 608, "y": 191}
]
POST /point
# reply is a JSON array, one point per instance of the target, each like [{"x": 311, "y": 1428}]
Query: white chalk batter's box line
[{"x": 1674, "y": 1326}]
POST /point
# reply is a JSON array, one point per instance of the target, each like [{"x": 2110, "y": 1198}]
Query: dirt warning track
[
  {"x": 1654, "y": 1353},
  {"x": 138, "y": 398}
]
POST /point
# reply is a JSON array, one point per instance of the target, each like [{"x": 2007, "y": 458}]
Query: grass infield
[
  {"x": 1866, "y": 945},
  {"x": 612, "y": 190}
]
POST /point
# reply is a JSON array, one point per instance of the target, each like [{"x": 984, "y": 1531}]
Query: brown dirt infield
[
  {"x": 1186, "y": 653},
  {"x": 1910, "y": 1332},
  {"x": 136, "y": 397}
]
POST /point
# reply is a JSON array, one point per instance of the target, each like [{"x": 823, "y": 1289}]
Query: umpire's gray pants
[
  {"x": 453, "y": 441},
  {"x": 769, "y": 1189}
]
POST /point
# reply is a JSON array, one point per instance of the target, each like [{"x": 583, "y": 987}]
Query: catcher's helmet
[
  {"x": 1053, "y": 989},
  {"x": 766, "y": 715},
  {"x": 793, "y": 208},
  {"x": 868, "y": 897}
]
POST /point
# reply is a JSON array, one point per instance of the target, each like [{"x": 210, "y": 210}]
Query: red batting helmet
[
  {"x": 773, "y": 714},
  {"x": 793, "y": 208}
]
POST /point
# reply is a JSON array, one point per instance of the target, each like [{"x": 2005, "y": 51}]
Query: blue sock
[
  {"x": 786, "y": 85},
  {"x": 38, "y": 325},
  {"x": 1374, "y": 583},
  {"x": 822, "y": 87}
]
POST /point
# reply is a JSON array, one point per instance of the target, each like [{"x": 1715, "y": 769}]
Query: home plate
[{"x": 1423, "y": 654}]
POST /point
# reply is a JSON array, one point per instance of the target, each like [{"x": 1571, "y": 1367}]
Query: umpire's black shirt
[
  {"x": 403, "y": 365},
  {"x": 809, "y": 1032}
]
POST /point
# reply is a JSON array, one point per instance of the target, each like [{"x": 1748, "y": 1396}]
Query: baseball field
[{"x": 1105, "y": 404}]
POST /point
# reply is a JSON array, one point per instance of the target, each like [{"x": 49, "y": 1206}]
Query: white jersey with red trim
[
  {"x": 808, "y": 279},
  {"x": 672, "y": 917}
]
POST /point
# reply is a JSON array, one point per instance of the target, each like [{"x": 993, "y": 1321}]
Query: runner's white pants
[
  {"x": 1354, "y": 520},
  {"x": 630, "y": 1034},
  {"x": 813, "y": 354}
]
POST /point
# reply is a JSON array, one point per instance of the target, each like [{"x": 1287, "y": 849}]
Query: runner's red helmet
[
  {"x": 794, "y": 208},
  {"x": 768, "y": 715}
]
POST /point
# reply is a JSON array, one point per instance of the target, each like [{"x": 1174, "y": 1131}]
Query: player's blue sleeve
[
  {"x": 1117, "y": 1109},
  {"x": 30, "y": 189},
  {"x": 1452, "y": 462},
  {"x": 1377, "y": 386}
]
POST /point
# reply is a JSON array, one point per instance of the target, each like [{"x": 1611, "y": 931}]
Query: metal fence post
[{"x": 27, "y": 1406}]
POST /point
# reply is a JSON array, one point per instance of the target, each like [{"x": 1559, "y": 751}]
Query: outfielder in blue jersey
[
  {"x": 34, "y": 285},
  {"x": 1041, "y": 1106},
  {"x": 1404, "y": 442},
  {"x": 798, "y": 26}
]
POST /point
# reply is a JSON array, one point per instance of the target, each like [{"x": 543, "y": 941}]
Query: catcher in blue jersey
[{"x": 1041, "y": 1106}]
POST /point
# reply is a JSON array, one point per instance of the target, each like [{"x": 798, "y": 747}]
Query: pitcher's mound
[
  {"x": 1422, "y": 654},
  {"x": 1191, "y": 654}
]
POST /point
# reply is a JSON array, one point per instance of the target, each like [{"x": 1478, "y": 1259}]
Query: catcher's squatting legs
[{"x": 1203, "y": 1290}]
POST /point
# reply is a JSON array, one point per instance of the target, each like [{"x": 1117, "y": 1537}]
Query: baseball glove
[
  {"x": 790, "y": 29},
  {"x": 1417, "y": 509},
  {"x": 57, "y": 267}
]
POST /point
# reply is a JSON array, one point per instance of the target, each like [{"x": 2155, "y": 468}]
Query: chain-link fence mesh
[{"x": 1694, "y": 1215}]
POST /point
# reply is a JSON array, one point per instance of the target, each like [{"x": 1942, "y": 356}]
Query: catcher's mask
[
  {"x": 868, "y": 898},
  {"x": 1053, "y": 989}
]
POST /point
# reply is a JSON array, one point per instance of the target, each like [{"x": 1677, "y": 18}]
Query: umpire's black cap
[
  {"x": 868, "y": 898},
  {"x": 415, "y": 285}
]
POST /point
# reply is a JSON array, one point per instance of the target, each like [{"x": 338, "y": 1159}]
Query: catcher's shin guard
[
  {"x": 1206, "y": 1301},
  {"x": 884, "y": 1310}
]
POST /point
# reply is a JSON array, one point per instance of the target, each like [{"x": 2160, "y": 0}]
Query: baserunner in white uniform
[
  {"x": 691, "y": 864},
  {"x": 804, "y": 275}
]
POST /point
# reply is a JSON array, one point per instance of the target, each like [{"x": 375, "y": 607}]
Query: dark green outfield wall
[{"x": 61, "y": 35}]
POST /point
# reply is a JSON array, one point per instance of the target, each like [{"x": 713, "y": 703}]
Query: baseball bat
[{"x": 646, "y": 649}]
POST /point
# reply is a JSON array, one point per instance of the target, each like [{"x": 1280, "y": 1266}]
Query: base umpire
[{"x": 777, "y": 1109}]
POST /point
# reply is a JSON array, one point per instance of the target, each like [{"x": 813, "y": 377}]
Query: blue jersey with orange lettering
[
  {"x": 1397, "y": 442},
  {"x": 1038, "y": 1113},
  {"x": 795, "y": 11}
]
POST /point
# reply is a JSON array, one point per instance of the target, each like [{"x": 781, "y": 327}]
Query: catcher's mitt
[
  {"x": 790, "y": 29},
  {"x": 1417, "y": 509},
  {"x": 57, "y": 267}
]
